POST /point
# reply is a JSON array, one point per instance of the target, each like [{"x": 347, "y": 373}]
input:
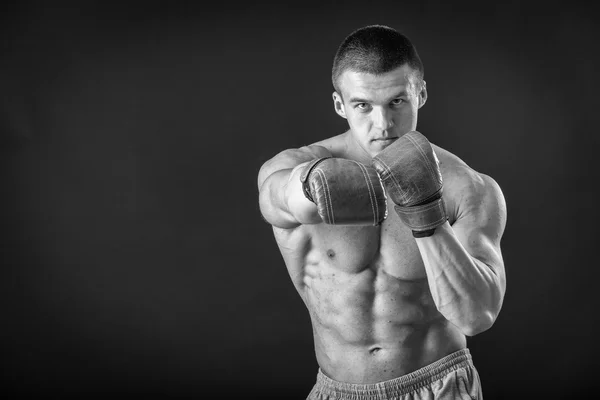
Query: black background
[{"x": 134, "y": 258}]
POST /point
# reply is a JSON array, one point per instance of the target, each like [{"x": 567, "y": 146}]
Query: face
[{"x": 379, "y": 108}]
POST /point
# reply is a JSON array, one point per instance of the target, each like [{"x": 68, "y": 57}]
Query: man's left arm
[{"x": 464, "y": 264}]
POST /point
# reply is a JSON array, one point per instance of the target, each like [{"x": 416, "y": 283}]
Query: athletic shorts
[{"x": 451, "y": 377}]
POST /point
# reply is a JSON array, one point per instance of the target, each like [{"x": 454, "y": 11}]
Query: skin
[{"x": 382, "y": 303}]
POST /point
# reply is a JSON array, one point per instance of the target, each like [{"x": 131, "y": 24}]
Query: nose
[{"x": 383, "y": 119}]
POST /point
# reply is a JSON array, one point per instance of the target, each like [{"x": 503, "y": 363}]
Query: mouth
[{"x": 384, "y": 140}]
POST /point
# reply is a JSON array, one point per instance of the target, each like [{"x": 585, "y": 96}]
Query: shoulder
[
  {"x": 336, "y": 145},
  {"x": 461, "y": 179},
  {"x": 471, "y": 195}
]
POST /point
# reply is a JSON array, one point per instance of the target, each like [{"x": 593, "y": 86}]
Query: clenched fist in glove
[
  {"x": 410, "y": 172},
  {"x": 346, "y": 192}
]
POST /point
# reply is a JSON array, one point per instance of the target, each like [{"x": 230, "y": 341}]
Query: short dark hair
[{"x": 375, "y": 49}]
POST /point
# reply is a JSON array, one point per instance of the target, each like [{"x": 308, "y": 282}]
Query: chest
[
  {"x": 398, "y": 253},
  {"x": 352, "y": 249}
]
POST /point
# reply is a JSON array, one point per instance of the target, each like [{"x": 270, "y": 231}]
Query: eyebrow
[
  {"x": 361, "y": 100},
  {"x": 358, "y": 100}
]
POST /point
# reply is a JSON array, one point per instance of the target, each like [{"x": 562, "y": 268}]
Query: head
[{"x": 379, "y": 86}]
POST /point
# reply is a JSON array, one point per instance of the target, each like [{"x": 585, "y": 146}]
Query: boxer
[{"x": 392, "y": 242}]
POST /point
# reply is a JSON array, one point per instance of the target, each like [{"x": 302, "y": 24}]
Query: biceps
[
  {"x": 484, "y": 251},
  {"x": 476, "y": 242},
  {"x": 481, "y": 223}
]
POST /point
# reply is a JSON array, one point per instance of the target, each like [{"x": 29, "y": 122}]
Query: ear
[
  {"x": 423, "y": 94},
  {"x": 338, "y": 105}
]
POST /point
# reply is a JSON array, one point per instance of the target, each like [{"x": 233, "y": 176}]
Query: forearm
[
  {"x": 283, "y": 203},
  {"x": 466, "y": 291},
  {"x": 303, "y": 210}
]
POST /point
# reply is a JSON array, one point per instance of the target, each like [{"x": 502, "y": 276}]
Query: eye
[
  {"x": 363, "y": 106},
  {"x": 397, "y": 102}
]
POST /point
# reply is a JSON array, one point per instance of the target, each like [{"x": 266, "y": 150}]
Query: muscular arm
[
  {"x": 281, "y": 199},
  {"x": 463, "y": 262}
]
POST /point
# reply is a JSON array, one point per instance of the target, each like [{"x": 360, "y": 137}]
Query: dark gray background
[{"x": 134, "y": 258}]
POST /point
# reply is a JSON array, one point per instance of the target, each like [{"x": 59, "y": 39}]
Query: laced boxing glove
[
  {"x": 346, "y": 192},
  {"x": 410, "y": 172}
]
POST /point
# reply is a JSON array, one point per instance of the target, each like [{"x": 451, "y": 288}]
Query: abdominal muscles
[{"x": 373, "y": 317}]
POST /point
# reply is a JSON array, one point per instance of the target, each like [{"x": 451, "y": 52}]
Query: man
[{"x": 392, "y": 242}]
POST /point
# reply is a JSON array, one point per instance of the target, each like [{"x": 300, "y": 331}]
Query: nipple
[{"x": 330, "y": 253}]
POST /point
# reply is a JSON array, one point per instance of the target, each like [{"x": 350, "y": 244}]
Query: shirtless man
[{"x": 393, "y": 243}]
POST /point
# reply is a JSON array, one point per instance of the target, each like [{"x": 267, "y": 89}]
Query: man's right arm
[{"x": 281, "y": 198}]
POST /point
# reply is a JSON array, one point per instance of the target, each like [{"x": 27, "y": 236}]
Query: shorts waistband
[{"x": 401, "y": 385}]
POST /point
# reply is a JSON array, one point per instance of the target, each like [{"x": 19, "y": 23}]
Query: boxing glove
[
  {"x": 410, "y": 172},
  {"x": 346, "y": 192}
]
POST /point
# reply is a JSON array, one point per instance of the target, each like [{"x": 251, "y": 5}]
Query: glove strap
[
  {"x": 304, "y": 177},
  {"x": 423, "y": 219}
]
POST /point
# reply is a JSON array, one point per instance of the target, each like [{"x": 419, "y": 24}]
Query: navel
[{"x": 373, "y": 351}]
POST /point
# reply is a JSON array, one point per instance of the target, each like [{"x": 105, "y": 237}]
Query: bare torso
[{"x": 367, "y": 293}]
